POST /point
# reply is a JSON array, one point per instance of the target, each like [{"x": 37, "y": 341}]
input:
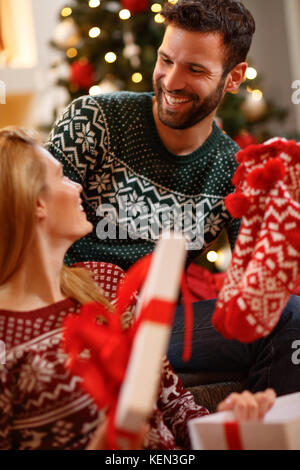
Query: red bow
[{"x": 99, "y": 349}]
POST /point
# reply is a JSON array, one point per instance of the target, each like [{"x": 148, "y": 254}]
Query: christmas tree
[
  {"x": 108, "y": 45},
  {"x": 102, "y": 46}
]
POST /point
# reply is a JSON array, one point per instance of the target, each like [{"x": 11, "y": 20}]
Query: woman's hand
[{"x": 248, "y": 406}]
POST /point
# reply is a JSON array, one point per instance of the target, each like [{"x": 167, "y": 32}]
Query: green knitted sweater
[{"x": 133, "y": 187}]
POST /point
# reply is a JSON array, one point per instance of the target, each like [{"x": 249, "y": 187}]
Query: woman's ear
[
  {"x": 235, "y": 77},
  {"x": 41, "y": 208}
]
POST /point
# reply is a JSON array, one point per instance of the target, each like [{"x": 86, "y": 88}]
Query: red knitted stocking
[
  {"x": 250, "y": 203},
  {"x": 246, "y": 308}
]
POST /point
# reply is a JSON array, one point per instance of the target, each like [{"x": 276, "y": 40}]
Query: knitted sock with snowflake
[
  {"x": 249, "y": 202},
  {"x": 265, "y": 262}
]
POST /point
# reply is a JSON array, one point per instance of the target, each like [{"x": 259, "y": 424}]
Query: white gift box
[
  {"x": 139, "y": 390},
  {"x": 280, "y": 429}
]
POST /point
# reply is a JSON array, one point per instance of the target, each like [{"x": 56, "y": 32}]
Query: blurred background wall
[
  {"x": 24, "y": 82},
  {"x": 275, "y": 52}
]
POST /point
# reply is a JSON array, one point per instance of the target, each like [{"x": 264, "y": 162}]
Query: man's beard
[{"x": 199, "y": 109}]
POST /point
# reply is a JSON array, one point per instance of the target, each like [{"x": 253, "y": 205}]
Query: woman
[{"x": 41, "y": 405}]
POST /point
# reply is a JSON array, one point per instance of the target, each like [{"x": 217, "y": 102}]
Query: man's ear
[{"x": 235, "y": 77}]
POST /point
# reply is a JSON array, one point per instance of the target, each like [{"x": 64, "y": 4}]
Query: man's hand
[{"x": 248, "y": 406}]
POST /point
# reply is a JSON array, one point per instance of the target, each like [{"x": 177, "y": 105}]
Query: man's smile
[{"x": 175, "y": 101}]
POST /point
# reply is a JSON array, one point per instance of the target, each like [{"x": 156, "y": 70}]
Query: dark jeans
[{"x": 267, "y": 362}]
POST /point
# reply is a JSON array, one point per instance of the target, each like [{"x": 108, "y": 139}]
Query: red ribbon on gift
[
  {"x": 99, "y": 349},
  {"x": 133, "y": 282},
  {"x": 233, "y": 437}
]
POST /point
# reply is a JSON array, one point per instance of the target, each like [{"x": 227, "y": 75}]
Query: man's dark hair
[{"x": 227, "y": 17}]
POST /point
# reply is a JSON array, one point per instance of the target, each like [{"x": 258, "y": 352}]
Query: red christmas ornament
[
  {"x": 244, "y": 139},
  {"x": 82, "y": 73},
  {"x": 135, "y": 6}
]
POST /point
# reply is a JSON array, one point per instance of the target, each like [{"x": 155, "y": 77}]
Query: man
[
  {"x": 155, "y": 161},
  {"x": 152, "y": 162}
]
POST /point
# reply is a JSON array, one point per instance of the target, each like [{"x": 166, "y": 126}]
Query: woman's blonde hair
[{"x": 22, "y": 180}]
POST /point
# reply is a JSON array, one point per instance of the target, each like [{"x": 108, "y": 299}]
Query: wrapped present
[
  {"x": 280, "y": 429},
  {"x": 155, "y": 311},
  {"x": 121, "y": 369}
]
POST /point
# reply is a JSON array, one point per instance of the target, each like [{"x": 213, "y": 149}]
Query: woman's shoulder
[{"x": 107, "y": 275}]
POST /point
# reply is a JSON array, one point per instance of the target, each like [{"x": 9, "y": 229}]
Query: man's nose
[{"x": 174, "y": 79}]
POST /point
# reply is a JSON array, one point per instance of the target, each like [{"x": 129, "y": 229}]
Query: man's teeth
[
  {"x": 171, "y": 100},
  {"x": 81, "y": 207}
]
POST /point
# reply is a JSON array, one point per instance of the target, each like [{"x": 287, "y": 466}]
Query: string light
[
  {"x": 71, "y": 52},
  {"x": 257, "y": 95},
  {"x": 159, "y": 18},
  {"x": 94, "y": 32},
  {"x": 251, "y": 73},
  {"x": 94, "y": 3},
  {"x": 124, "y": 14},
  {"x": 94, "y": 90},
  {"x": 137, "y": 77},
  {"x": 67, "y": 11},
  {"x": 212, "y": 256},
  {"x": 173, "y": 1},
  {"x": 110, "y": 57},
  {"x": 156, "y": 7}
]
